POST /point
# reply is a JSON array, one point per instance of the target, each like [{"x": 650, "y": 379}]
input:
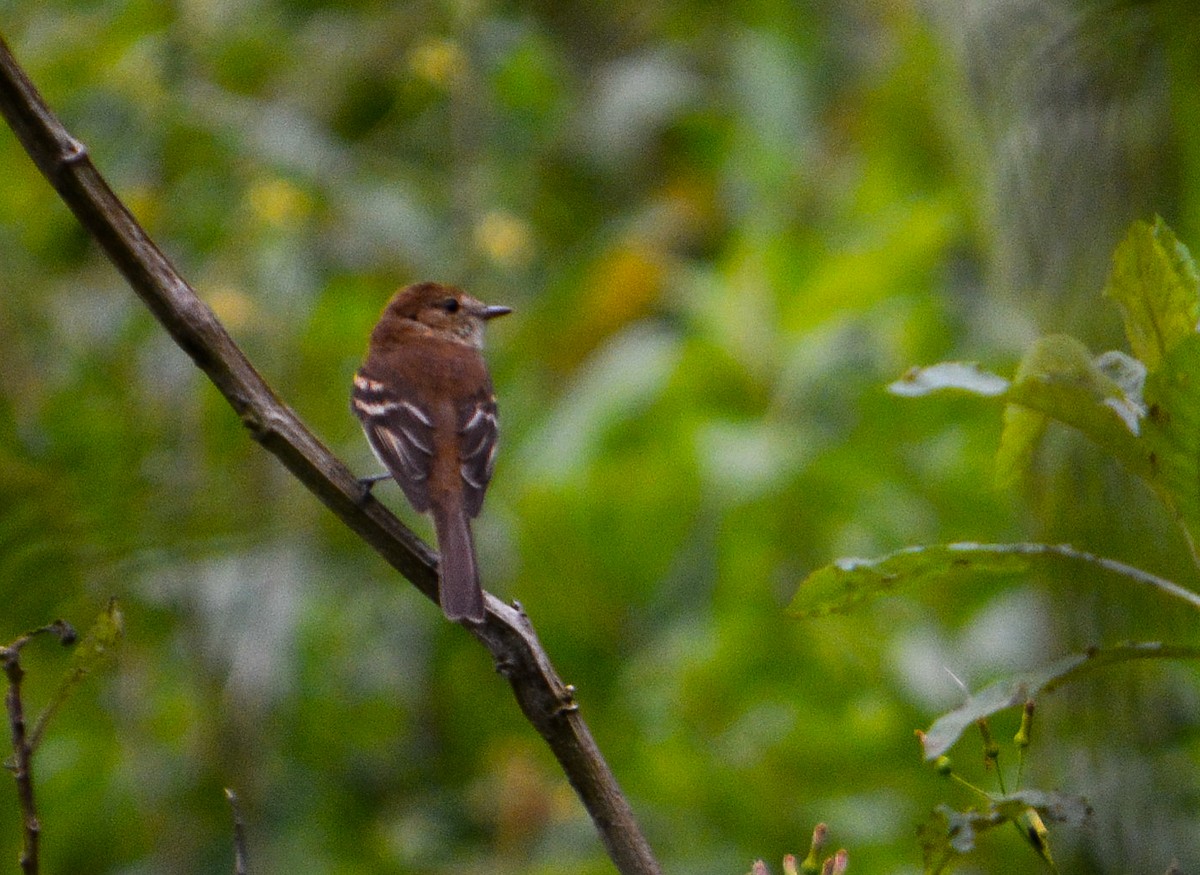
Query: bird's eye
[{"x": 450, "y": 305}]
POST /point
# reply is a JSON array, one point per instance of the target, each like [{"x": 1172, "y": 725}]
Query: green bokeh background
[{"x": 724, "y": 228}]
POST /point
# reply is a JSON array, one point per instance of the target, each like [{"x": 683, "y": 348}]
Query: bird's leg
[{"x": 368, "y": 483}]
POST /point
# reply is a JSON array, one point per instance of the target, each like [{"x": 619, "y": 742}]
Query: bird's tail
[{"x": 458, "y": 573}]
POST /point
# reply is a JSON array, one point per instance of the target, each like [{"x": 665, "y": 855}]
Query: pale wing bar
[{"x": 400, "y": 433}]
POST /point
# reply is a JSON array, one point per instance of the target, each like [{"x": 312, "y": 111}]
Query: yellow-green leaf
[
  {"x": 1059, "y": 379},
  {"x": 94, "y": 652},
  {"x": 1019, "y": 438},
  {"x": 1155, "y": 284},
  {"x": 1172, "y": 435}
]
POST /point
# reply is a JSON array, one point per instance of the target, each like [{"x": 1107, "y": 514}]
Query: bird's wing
[
  {"x": 400, "y": 432},
  {"x": 477, "y": 447}
]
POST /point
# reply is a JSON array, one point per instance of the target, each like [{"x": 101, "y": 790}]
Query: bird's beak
[{"x": 491, "y": 312}]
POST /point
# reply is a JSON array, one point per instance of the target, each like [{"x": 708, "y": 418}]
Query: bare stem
[
  {"x": 240, "y": 857},
  {"x": 507, "y": 633},
  {"x": 31, "y": 827}
]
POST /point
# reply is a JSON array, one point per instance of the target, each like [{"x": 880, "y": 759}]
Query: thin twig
[
  {"x": 23, "y": 743},
  {"x": 507, "y": 633},
  {"x": 22, "y": 760},
  {"x": 240, "y": 857}
]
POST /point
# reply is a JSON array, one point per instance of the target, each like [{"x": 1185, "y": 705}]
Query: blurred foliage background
[{"x": 725, "y": 227}]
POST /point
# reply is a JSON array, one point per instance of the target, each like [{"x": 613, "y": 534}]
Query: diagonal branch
[{"x": 506, "y": 632}]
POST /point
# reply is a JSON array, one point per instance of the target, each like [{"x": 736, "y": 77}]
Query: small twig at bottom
[
  {"x": 22, "y": 760},
  {"x": 23, "y": 744},
  {"x": 240, "y": 859}
]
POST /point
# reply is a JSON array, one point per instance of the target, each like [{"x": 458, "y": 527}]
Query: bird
[{"x": 425, "y": 401}]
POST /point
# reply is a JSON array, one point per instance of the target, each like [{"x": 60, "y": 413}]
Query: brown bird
[{"x": 425, "y": 400}]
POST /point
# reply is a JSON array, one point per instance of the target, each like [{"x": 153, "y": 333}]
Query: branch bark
[{"x": 506, "y": 632}]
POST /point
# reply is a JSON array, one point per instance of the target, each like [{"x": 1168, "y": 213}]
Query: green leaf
[
  {"x": 1018, "y": 689},
  {"x": 949, "y": 833},
  {"x": 1172, "y": 435},
  {"x": 992, "y": 699},
  {"x": 1023, "y": 429},
  {"x": 848, "y": 583},
  {"x": 93, "y": 653},
  {"x": 1058, "y": 379},
  {"x": 1155, "y": 284},
  {"x": 1145, "y": 413},
  {"x": 1048, "y": 358}
]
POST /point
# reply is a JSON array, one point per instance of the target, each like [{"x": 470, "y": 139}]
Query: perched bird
[{"x": 425, "y": 400}]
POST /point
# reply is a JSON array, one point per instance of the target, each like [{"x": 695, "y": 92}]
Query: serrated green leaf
[
  {"x": 849, "y": 583},
  {"x": 1016, "y": 690},
  {"x": 1155, "y": 284},
  {"x": 1145, "y": 413}
]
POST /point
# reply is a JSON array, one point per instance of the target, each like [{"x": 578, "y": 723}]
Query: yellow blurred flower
[
  {"x": 146, "y": 205},
  {"x": 504, "y": 238},
  {"x": 278, "y": 202},
  {"x": 438, "y": 61},
  {"x": 623, "y": 283},
  {"x": 620, "y": 286},
  {"x": 231, "y": 306}
]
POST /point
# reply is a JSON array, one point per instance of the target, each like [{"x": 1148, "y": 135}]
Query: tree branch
[
  {"x": 31, "y": 828},
  {"x": 506, "y": 632}
]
